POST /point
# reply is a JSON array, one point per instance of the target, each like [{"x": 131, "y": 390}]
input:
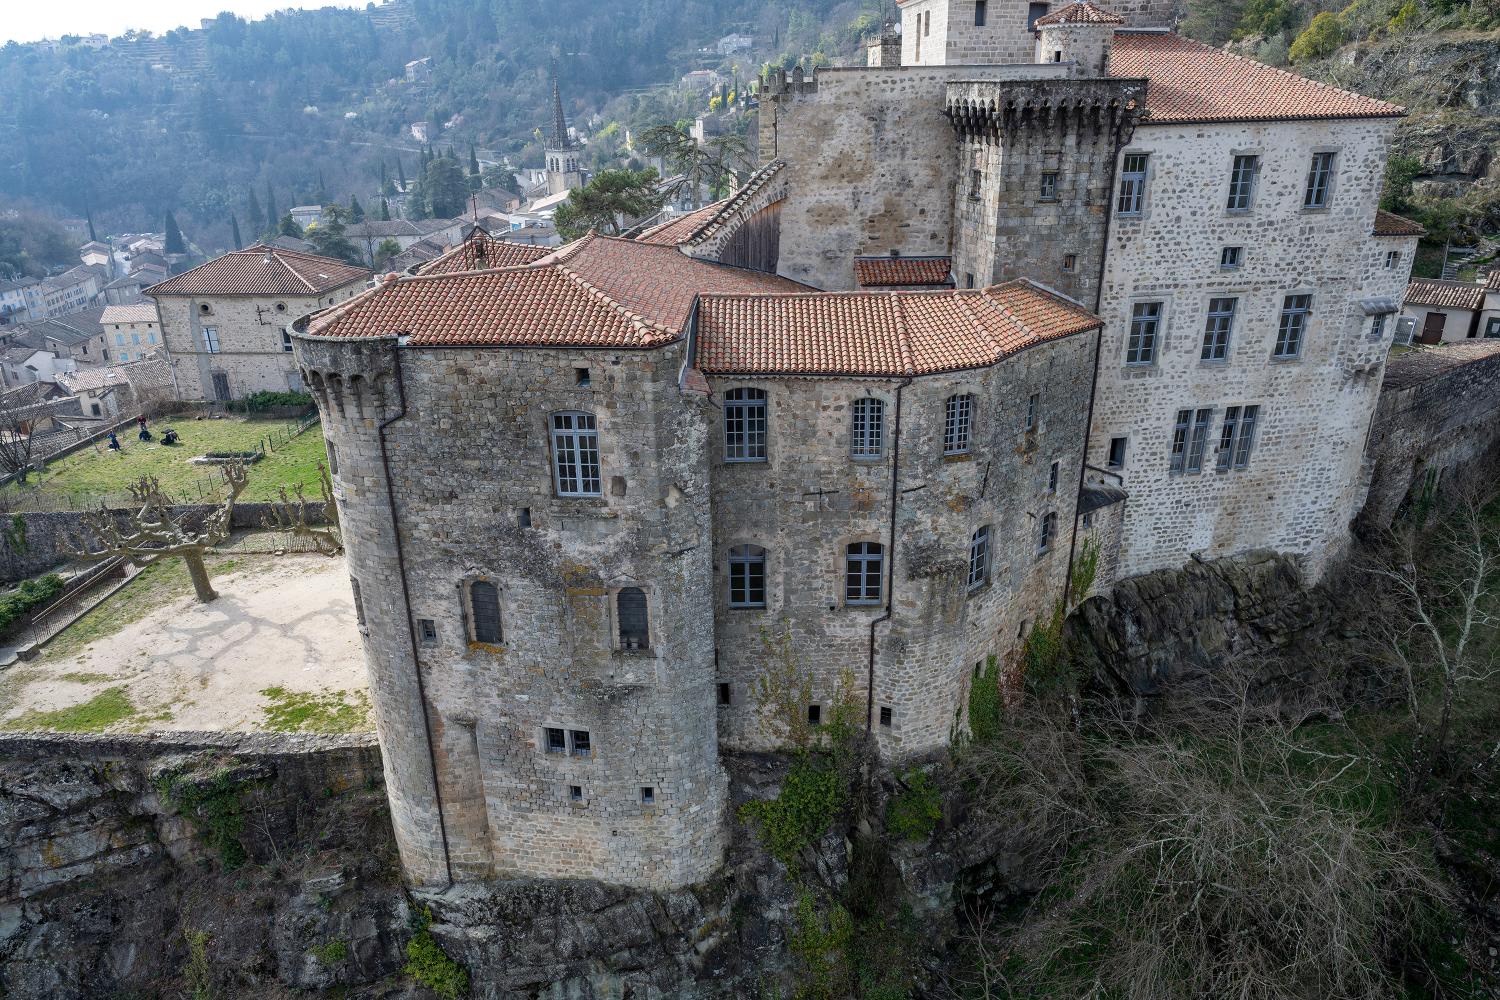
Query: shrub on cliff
[{"x": 1324, "y": 35}]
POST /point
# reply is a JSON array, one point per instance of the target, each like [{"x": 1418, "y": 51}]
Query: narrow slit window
[
  {"x": 979, "y": 13},
  {"x": 1052, "y": 477},
  {"x": 1033, "y": 411}
]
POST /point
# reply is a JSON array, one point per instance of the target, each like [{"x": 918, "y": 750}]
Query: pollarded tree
[
  {"x": 155, "y": 532},
  {"x": 290, "y": 514}
]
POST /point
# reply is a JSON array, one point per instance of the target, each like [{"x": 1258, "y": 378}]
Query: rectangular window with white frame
[
  {"x": 1393, "y": 259},
  {"x": 1133, "y": 170},
  {"x": 1217, "y": 329},
  {"x": 1242, "y": 175},
  {"x": 1145, "y": 330},
  {"x": 867, "y": 429},
  {"x": 210, "y": 339},
  {"x": 1291, "y": 329},
  {"x": 1378, "y": 324},
  {"x": 1319, "y": 192},
  {"x": 957, "y": 418},
  {"x": 575, "y": 454}
]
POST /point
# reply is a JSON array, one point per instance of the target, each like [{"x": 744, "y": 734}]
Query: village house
[
  {"x": 18, "y": 298},
  {"x": 307, "y": 215},
  {"x": 74, "y": 289},
  {"x": 118, "y": 392},
  {"x": 131, "y": 332},
  {"x": 77, "y": 338},
  {"x": 370, "y": 234},
  {"x": 225, "y": 323},
  {"x": 1443, "y": 311}
]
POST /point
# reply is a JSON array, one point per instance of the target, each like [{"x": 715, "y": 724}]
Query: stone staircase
[{"x": 1458, "y": 258}]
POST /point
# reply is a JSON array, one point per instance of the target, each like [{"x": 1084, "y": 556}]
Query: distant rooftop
[{"x": 262, "y": 270}]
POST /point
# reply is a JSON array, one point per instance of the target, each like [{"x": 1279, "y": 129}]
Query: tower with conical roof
[{"x": 564, "y": 169}]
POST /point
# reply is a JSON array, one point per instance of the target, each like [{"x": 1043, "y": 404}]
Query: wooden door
[
  {"x": 1432, "y": 328},
  {"x": 221, "y": 387}
]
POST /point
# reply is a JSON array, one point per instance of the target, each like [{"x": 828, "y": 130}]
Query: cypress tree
[
  {"x": 174, "y": 241},
  {"x": 476, "y": 181},
  {"x": 385, "y": 210},
  {"x": 273, "y": 217},
  {"x": 234, "y": 225},
  {"x": 401, "y": 174},
  {"x": 322, "y": 190},
  {"x": 89, "y": 215},
  {"x": 356, "y": 210},
  {"x": 257, "y": 218}
]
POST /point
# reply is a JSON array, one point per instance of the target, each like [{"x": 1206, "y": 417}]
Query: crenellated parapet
[
  {"x": 1098, "y": 109},
  {"x": 351, "y": 380}
]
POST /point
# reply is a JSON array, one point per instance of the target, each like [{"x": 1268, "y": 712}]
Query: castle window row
[
  {"x": 482, "y": 616},
  {"x": 1143, "y": 343},
  {"x": 1244, "y": 179},
  {"x": 746, "y": 425}
]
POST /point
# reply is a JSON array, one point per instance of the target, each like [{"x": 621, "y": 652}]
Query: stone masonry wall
[
  {"x": 474, "y": 491},
  {"x": 251, "y": 352},
  {"x": 1438, "y": 419},
  {"x": 811, "y": 499},
  {"x": 871, "y": 165},
  {"x": 1303, "y": 484},
  {"x": 943, "y": 33},
  {"x": 1065, "y": 131}
]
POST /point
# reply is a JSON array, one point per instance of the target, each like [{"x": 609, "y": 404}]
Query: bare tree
[
  {"x": 154, "y": 532},
  {"x": 289, "y": 514},
  {"x": 1439, "y": 593},
  {"x": 20, "y": 412}
]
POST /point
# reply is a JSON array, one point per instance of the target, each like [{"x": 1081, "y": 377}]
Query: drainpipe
[
  {"x": 416, "y": 659},
  {"x": 1088, "y": 425},
  {"x": 890, "y": 556}
]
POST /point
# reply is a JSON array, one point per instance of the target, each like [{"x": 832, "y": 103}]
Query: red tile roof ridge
[
  {"x": 1396, "y": 109},
  {"x": 293, "y": 272},
  {"x": 636, "y": 319},
  {"x": 903, "y": 335},
  {"x": 752, "y": 185},
  {"x": 978, "y": 325},
  {"x": 324, "y": 316}
]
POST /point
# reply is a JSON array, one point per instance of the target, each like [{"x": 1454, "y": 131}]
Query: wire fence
[{"x": 208, "y": 488}]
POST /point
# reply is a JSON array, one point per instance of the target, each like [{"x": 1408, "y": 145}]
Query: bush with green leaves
[
  {"x": 915, "y": 811},
  {"x": 428, "y": 964},
  {"x": 31, "y": 594},
  {"x": 1322, "y": 37}
]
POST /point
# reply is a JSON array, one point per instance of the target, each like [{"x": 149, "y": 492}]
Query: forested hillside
[{"x": 312, "y": 101}]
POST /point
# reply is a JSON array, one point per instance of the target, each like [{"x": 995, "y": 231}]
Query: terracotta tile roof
[
  {"x": 880, "y": 333},
  {"x": 1192, "y": 82},
  {"x": 682, "y": 228},
  {"x": 1390, "y": 224},
  {"x": 1493, "y": 281},
  {"x": 141, "y": 312},
  {"x": 1080, "y": 13},
  {"x": 484, "y": 252},
  {"x": 884, "y": 272},
  {"x": 596, "y": 292},
  {"x": 1444, "y": 294},
  {"x": 262, "y": 270}
]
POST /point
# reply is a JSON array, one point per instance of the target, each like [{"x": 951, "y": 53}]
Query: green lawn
[{"x": 96, "y": 470}]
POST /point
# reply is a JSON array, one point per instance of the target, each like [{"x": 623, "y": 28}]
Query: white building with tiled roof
[
  {"x": 225, "y": 323},
  {"x": 591, "y": 496}
]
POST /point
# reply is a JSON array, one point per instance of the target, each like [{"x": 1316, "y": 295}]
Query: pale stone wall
[
  {"x": 811, "y": 499},
  {"x": 871, "y": 165},
  {"x": 1303, "y": 484},
  {"x": 251, "y": 350},
  {"x": 943, "y": 33},
  {"x": 469, "y": 457},
  {"x": 135, "y": 339},
  {"x": 1458, "y": 326}
]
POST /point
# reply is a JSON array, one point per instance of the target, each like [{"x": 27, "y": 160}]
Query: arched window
[
  {"x": 747, "y": 576},
  {"x": 575, "y": 454},
  {"x": 484, "y": 613},
  {"x": 864, "y": 570},
  {"x": 745, "y": 425},
  {"x": 867, "y": 428},
  {"x": 630, "y": 611},
  {"x": 957, "y": 420},
  {"x": 979, "y": 558}
]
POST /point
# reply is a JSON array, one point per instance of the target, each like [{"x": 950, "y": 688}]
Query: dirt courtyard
[{"x": 278, "y": 650}]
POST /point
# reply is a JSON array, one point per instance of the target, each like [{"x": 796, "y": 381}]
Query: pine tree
[
  {"x": 257, "y": 218},
  {"x": 174, "y": 243},
  {"x": 273, "y": 217},
  {"x": 356, "y": 210},
  {"x": 234, "y": 226},
  {"x": 385, "y": 210}
]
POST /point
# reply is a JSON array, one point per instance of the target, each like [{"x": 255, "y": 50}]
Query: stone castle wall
[
  {"x": 251, "y": 350},
  {"x": 811, "y": 499},
  {"x": 1303, "y": 484},
  {"x": 871, "y": 165},
  {"x": 473, "y": 489},
  {"x": 943, "y": 32},
  {"x": 1436, "y": 429}
]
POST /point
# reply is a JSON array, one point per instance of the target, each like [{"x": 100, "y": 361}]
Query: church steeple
[
  {"x": 564, "y": 165},
  {"x": 559, "y": 138}
]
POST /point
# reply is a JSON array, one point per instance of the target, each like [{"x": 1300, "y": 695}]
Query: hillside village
[{"x": 924, "y": 500}]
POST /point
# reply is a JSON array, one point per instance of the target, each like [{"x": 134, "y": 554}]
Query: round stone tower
[
  {"x": 354, "y": 383},
  {"x": 1080, "y": 34}
]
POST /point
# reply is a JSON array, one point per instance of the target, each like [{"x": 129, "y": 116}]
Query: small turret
[
  {"x": 885, "y": 52},
  {"x": 1080, "y": 34}
]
